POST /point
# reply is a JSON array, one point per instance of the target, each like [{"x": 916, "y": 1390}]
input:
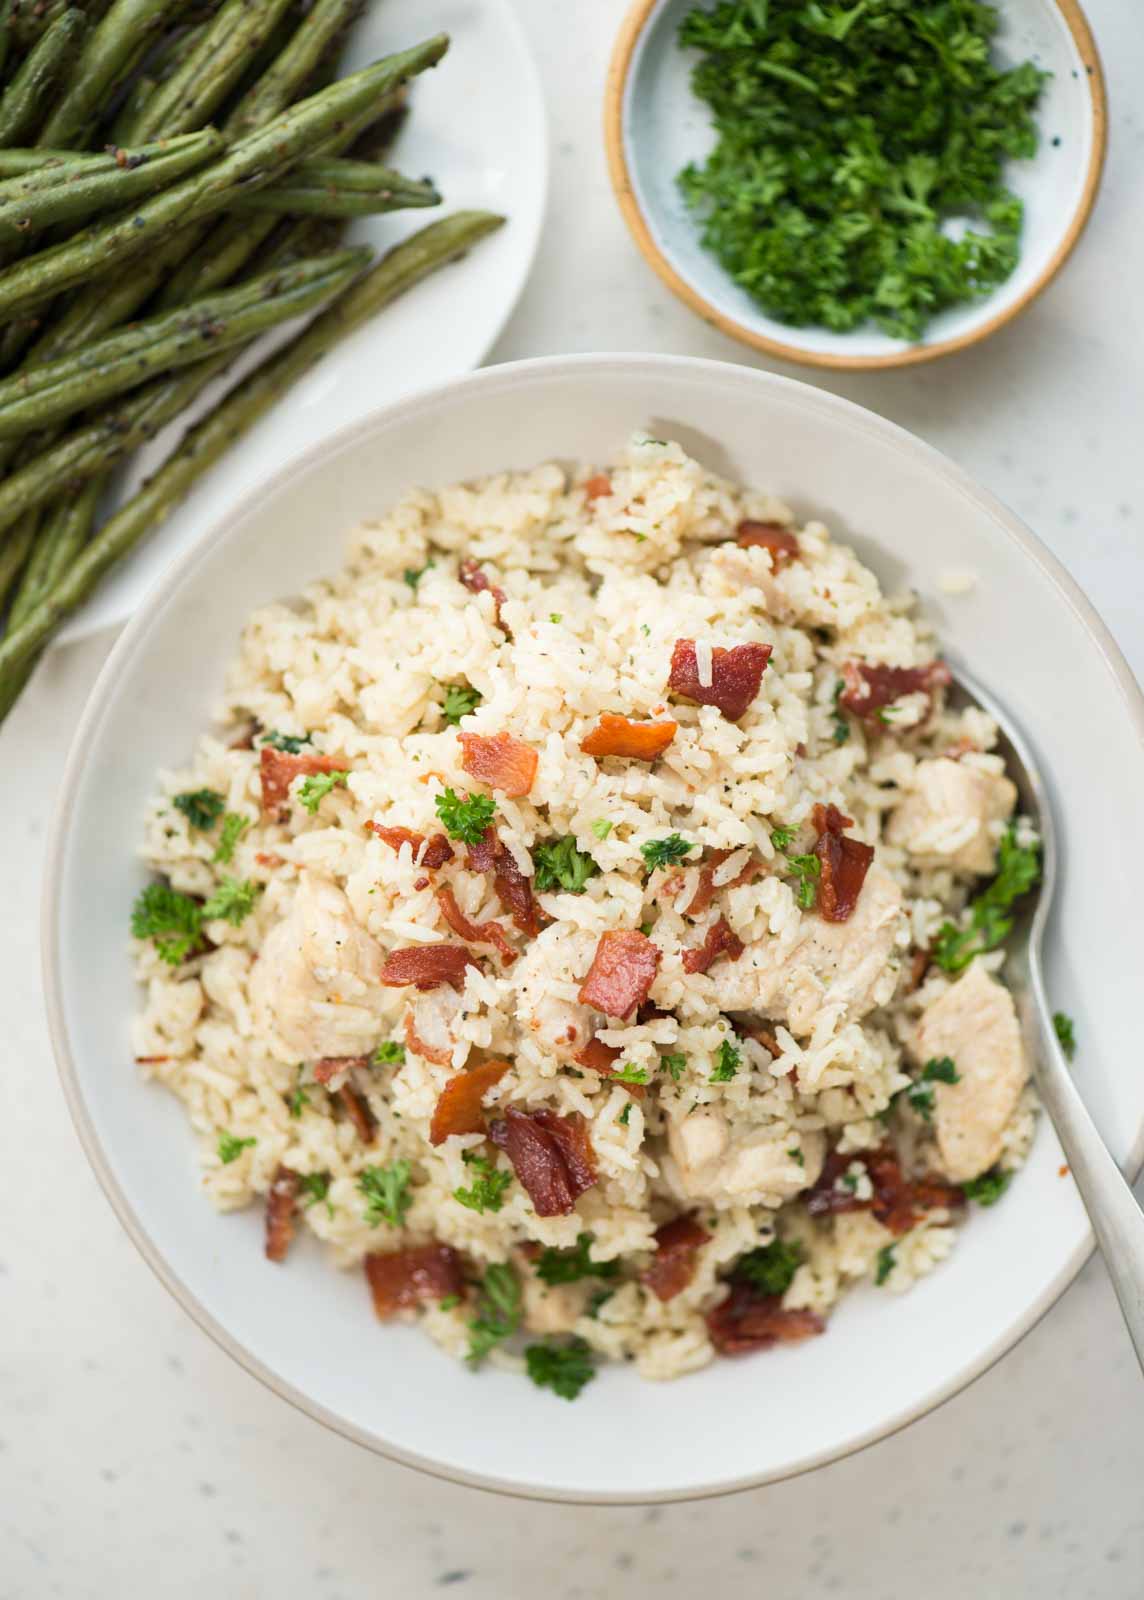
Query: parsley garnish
[
  {"x": 841, "y": 727},
  {"x": 498, "y": 1311},
  {"x": 726, "y": 1063},
  {"x": 232, "y": 901},
  {"x": 488, "y": 1187},
  {"x": 465, "y": 817},
  {"x": 560, "y": 864},
  {"x": 298, "y": 1098},
  {"x": 601, "y": 828},
  {"x": 386, "y": 1190},
  {"x": 665, "y": 852},
  {"x": 290, "y": 743},
  {"x": 920, "y": 1093},
  {"x": 460, "y": 699},
  {"x": 1018, "y": 868},
  {"x": 172, "y": 921},
  {"x": 563, "y": 1368},
  {"x": 449, "y": 1303},
  {"x": 989, "y": 1187},
  {"x": 848, "y": 137},
  {"x": 316, "y": 1186},
  {"x": 622, "y": 1119},
  {"x": 596, "y": 1299},
  {"x": 201, "y": 807},
  {"x": 806, "y": 869},
  {"x": 569, "y": 1266},
  {"x": 886, "y": 1264},
  {"x": 796, "y": 1155},
  {"x": 234, "y": 826},
  {"x": 628, "y": 1072},
  {"x": 414, "y": 575},
  {"x": 388, "y": 1051},
  {"x": 314, "y": 789},
  {"x": 555, "y": 616},
  {"x": 1066, "y": 1032},
  {"x": 230, "y": 1148},
  {"x": 673, "y": 1065},
  {"x": 770, "y": 1268},
  {"x": 783, "y": 838}
]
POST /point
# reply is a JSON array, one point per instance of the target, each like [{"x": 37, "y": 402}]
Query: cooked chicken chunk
[
  {"x": 561, "y": 1026},
  {"x": 948, "y": 815},
  {"x": 974, "y": 1023},
  {"x": 714, "y": 1165},
  {"x": 551, "y": 1308},
  {"x": 315, "y": 984}
]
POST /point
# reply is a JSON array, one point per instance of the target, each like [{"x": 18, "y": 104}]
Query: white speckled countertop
[{"x": 136, "y": 1458}]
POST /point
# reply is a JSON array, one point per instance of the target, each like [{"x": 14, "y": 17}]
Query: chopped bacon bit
[
  {"x": 673, "y": 1265},
  {"x": 622, "y": 971},
  {"x": 514, "y": 891},
  {"x": 421, "y": 883},
  {"x": 1062, "y": 1172},
  {"x": 961, "y": 747},
  {"x": 600, "y": 1057},
  {"x": 897, "y": 1203},
  {"x": 458, "y": 1108},
  {"x": 705, "y": 890},
  {"x": 845, "y": 863},
  {"x": 550, "y": 1154},
  {"x": 476, "y": 932},
  {"x": 597, "y": 486},
  {"x": 329, "y": 1066},
  {"x": 499, "y": 760},
  {"x": 440, "y": 1054},
  {"x": 150, "y": 1061},
  {"x": 771, "y": 536},
  {"x": 748, "y": 1320},
  {"x": 719, "y": 941},
  {"x": 735, "y": 676},
  {"x": 357, "y": 1110},
  {"x": 618, "y": 736},
  {"x": 401, "y": 1279},
  {"x": 870, "y": 688},
  {"x": 765, "y": 1037},
  {"x": 244, "y": 740},
  {"x": 267, "y": 858},
  {"x": 919, "y": 966},
  {"x": 281, "y": 1206},
  {"x": 476, "y": 581},
  {"x": 482, "y": 856},
  {"x": 427, "y": 966},
  {"x": 279, "y": 769},
  {"x": 438, "y": 850}
]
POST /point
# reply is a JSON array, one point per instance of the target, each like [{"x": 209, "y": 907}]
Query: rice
[{"x": 594, "y": 591}]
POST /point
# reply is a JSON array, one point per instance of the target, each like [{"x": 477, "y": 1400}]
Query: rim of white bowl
[{"x": 491, "y": 378}]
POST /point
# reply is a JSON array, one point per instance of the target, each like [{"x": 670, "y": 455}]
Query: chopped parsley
[
  {"x": 172, "y": 921},
  {"x": 841, "y": 730},
  {"x": 1065, "y": 1031},
  {"x": 414, "y": 575},
  {"x": 806, "y": 870},
  {"x": 726, "y": 1063},
  {"x": 796, "y": 1155},
  {"x": 555, "y": 616},
  {"x": 563, "y": 1368},
  {"x": 848, "y": 1182},
  {"x": 628, "y": 1072},
  {"x": 673, "y": 1065},
  {"x": 230, "y": 1148},
  {"x": 783, "y": 838},
  {"x": 601, "y": 828},
  {"x": 465, "y": 817},
  {"x": 665, "y": 852},
  {"x": 316, "y": 1187},
  {"x": 989, "y": 1187},
  {"x": 560, "y": 865},
  {"x": 886, "y": 1264},
  {"x": 298, "y": 1098},
  {"x": 849, "y": 137},
  {"x": 386, "y": 1192},
  {"x": 232, "y": 901},
  {"x": 1018, "y": 868},
  {"x": 289, "y": 743},
  {"x": 314, "y": 789},
  {"x": 569, "y": 1266},
  {"x": 201, "y": 807},
  {"x": 389, "y": 1051},
  {"x": 770, "y": 1268},
  {"x": 498, "y": 1311},
  {"x": 234, "y": 825},
  {"x": 449, "y": 1303},
  {"x": 459, "y": 700},
  {"x": 488, "y": 1187},
  {"x": 920, "y": 1094},
  {"x": 622, "y": 1119}
]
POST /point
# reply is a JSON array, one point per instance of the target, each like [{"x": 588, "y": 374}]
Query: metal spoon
[{"x": 1117, "y": 1220}]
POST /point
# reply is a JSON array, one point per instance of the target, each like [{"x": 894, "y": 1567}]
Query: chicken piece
[
  {"x": 551, "y": 1308},
  {"x": 728, "y": 1169},
  {"x": 831, "y": 964},
  {"x": 563, "y": 1027},
  {"x": 975, "y": 1024},
  {"x": 946, "y": 817},
  {"x": 315, "y": 984}
]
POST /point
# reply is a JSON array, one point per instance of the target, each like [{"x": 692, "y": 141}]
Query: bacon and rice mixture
[{"x": 587, "y": 924}]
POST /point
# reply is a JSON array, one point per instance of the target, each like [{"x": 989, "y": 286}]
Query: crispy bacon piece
[
  {"x": 499, "y": 760},
  {"x": 476, "y": 580},
  {"x": 329, "y": 1066},
  {"x": 514, "y": 889},
  {"x": 400, "y": 1279},
  {"x": 919, "y": 966},
  {"x": 597, "y": 486},
  {"x": 870, "y": 687},
  {"x": 748, "y": 1320},
  {"x": 764, "y": 1036},
  {"x": 149, "y": 1061},
  {"x": 622, "y": 971},
  {"x": 244, "y": 739},
  {"x": 458, "y": 1108},
  {"x": 897, "y": 1202},
  {"x": 672, "y": 1267},
  {"x": 476, "y": 932},
  {"x": 356, "y": 1108},
  {"x": 482, "y": 856},
  {"x": 550, "y": 1154},
  {"x": 617, "y": 736},
  {"x": 267, "y": 858},
  {"x": 278, "y": 770},
  {"x": 600, "y": 1057},
  {"x": 438, "y": 850},
  {"x": 735, "y": 676},
  {"x": 771, "y": 536},
  {"x": 427, "y": 966},
  {"x": 281, "y": 1207},
  {"x": 845, "y": 863},
  {"x": 719, "y": 941},
  {"x": 705, "y": 890}
]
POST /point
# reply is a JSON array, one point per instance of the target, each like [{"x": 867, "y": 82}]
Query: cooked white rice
[{"x": 598, "y": 590}]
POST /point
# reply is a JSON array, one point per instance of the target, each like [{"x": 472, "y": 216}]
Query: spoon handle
[{"x": 1117, "y": 1220}]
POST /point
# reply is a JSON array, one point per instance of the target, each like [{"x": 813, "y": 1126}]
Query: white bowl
[
  {"x": 654, "y": 126},
  {"x": 307, "y": 1330}
]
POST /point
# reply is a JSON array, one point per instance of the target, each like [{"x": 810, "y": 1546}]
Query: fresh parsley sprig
[
  {"x": 498, "y": 1311},
  {"x": 314, "y": 788},
  {"x": 464, "y": 816},
  {"x": 201, "y": 807},
  {"x": 386, "y": 1193},
  {"x": 1018, "y": 869},
  {"x": 487, "y": 1191},
  {"x": 561, "y": 864},
  {"x": 771, "y": 1268},
  {"x": 563, "y": 1368},
  {"x": 665, "y": 852}
]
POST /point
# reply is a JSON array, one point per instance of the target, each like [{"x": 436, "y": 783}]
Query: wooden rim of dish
[{"x": 618, "y": 70}]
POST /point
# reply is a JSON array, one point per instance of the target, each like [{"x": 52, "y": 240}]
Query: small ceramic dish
[{"x": 654, "y": 125}]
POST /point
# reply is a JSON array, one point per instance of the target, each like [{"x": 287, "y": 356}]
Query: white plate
[
  {"x": 478, "y": 128},
  {"x": 308, "y": 1330}
]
